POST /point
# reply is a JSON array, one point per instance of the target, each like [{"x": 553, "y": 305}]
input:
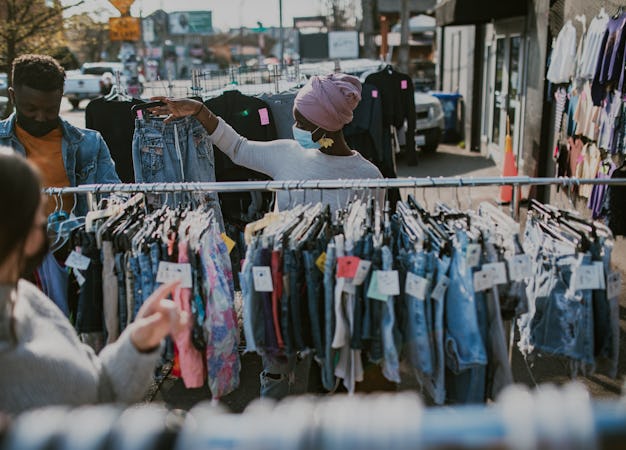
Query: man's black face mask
[{"x": 35, "y": 127}]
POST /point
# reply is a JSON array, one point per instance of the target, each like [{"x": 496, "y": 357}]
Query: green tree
[
  {"x": 29, "y": 26},
  {"x": 340, "y": 14},
  {"x": 87, "y": 36}
]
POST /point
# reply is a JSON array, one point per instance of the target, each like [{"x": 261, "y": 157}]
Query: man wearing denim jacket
[{"x": 65, "y": 155}]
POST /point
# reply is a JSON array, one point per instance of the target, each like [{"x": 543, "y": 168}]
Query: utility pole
[
  {"x": 281, "y": 35},
  {"x": 403, "y": 53},
  {"x": 367, "y": 27}
]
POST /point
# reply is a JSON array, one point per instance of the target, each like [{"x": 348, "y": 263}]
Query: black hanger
[{"x": 146, "y": 105}]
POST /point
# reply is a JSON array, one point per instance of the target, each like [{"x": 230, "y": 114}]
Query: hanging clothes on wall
[
  {"x": 610, "y": 68},
  {"x": 115, "y": 121},
  {"x": 563, "y": 56},
  {"x": 591, "y": 48}
]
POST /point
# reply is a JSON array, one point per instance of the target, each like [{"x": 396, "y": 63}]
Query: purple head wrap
[{"x": 328, "y": 101}]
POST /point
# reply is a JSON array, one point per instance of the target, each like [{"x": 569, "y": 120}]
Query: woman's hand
[
  {"x": 176, "y": 108},
  {"x": 157, "y": 318}
]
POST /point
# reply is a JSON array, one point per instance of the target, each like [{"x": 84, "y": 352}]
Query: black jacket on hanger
[
  {"x": 249, "y": 116},
  {"x": 116, "y": 123},
  {"x": 398, "y": 103},
  {"x": 252, "y": 118},
  {"x": 365, "y": 133}
]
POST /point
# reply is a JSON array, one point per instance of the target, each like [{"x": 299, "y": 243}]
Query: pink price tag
[
  {"x": 374, "y": 93},
  {"x": 347, "y": 266},
  {"x": 264, "y": 116},
  {"x": 404, "y": 84}
]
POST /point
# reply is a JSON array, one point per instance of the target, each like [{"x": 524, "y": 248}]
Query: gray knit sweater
[{"x": 48, "y": 365}]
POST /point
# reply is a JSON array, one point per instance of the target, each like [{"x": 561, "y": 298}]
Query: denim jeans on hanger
[
  {"x": 466, "y": 331},
  {"x": 363, "y": 249},
  {"x": 89, "y": 316},
  {"x": 328, "y": 369},
  {"x": 147, "y": 280},
  {"x": 315, "y": 298},
  {"x": 499, "y": 374},
  {"x": 606, "y": 321},
  {"x": 179, "y": 151},
  {"x": 436, "y": 385},
  {"x": 120, "y": 272},
  {"x": 562, "y": 324},
  {"x": 374, "y": 322},
  {"x": 465, "y": 347},
  {"x": 416, "y": 325},
  {"x": 390, "y": 331},
  {"x": 133, "y": 263}
]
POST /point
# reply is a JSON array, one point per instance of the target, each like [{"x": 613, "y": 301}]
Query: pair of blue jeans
[
  {"x": 179, "y": 151},
  {"x": 466, "y": 331},
  {"x": 89, "y": 313},
  {"x": 562, "y": 323},
  {"x": 328, "y": 365},
  {"x": 417, "y": 323}
]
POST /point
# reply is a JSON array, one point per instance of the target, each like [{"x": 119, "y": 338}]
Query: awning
[{"x": 471, "y": 12}]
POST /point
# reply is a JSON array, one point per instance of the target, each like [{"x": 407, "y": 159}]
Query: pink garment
[
  {"x": 191, "y": 360},
  {"x": 328, "y": 101}
]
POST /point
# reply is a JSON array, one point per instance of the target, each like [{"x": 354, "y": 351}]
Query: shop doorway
[{"x": 503, "y": 69}]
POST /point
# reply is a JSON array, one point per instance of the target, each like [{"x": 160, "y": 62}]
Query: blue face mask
[{"x": 304, "y": 138}]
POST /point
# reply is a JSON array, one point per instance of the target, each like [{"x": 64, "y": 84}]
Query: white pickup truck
[{"x": 88, "y": 83}]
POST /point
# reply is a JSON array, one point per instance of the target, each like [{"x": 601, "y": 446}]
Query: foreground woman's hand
[{"x": 157, "y": 318}]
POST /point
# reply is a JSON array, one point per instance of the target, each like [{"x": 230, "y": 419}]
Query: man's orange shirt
[{"x": 46, "y": 154}]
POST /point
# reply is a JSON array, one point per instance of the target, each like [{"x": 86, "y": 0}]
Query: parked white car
[
  {"x": 429, "y": 121},
  {"x": 89, "y": 82}
]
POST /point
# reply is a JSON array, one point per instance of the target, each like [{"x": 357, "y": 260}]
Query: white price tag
[
  {"x": 169, "y": 272},
  {"x": 361, "y": 272},
  {"x": 440, "y": 289},
  {"x": 585, "y": 277},
  {"x": 80, "y": 279},
  {"x": 482, "y": 280},
  {"x": 77, "y": 261},
  {"x": 473, "y": 255},
  {"x": 519, "y": 267},
  {"x": 388, "y": 282},
  {"x": 262, "y": 276},
  {"x": 416, "y": 286},
  {"x": 614, "y": 285},
  {"x": 498, "y": 272},
  {"x": 600, "y": 272}
]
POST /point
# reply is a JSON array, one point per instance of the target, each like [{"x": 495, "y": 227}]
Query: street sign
[
  {"x": 123, "y": 6},
  {"x": 124, "y": 29}
]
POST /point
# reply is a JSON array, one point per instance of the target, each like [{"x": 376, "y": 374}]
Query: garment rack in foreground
[{"x": 377, "y": 183}]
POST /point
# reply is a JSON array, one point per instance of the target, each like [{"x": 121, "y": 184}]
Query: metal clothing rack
[{"x": 354, "y": 184}]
